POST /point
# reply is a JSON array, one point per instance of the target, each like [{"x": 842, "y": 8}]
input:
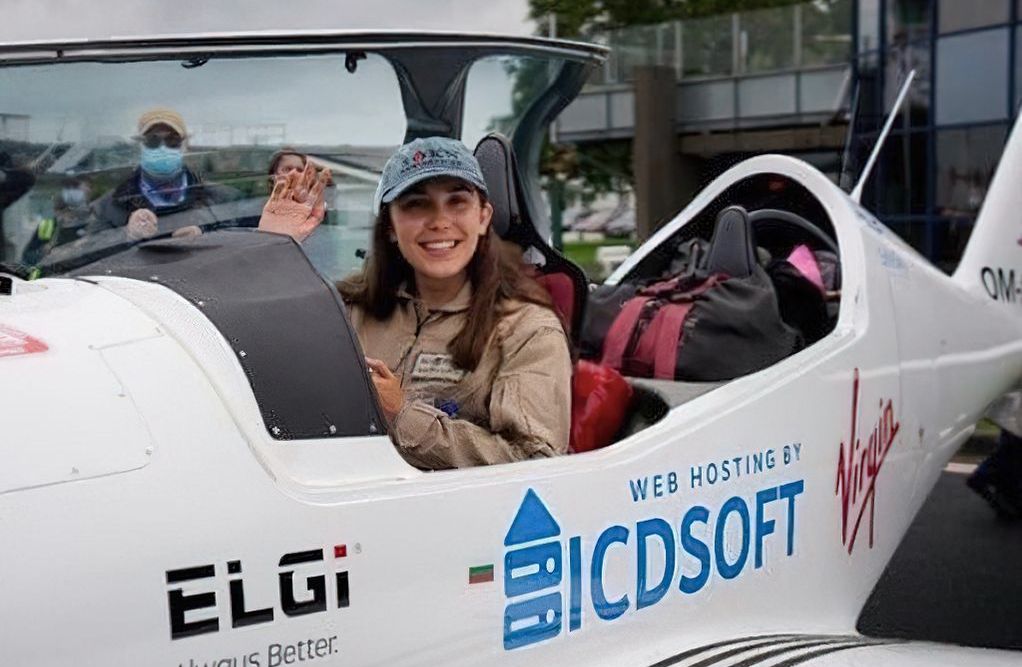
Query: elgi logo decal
[
  {"x": 535, "y": 563},
  {"x": 306, "y": 594}
]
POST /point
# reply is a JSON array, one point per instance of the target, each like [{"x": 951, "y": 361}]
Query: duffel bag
[{"x": 696, "y": 327}]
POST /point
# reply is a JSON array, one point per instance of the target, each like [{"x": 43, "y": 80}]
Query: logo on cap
[{"x": 418, "y": 158}]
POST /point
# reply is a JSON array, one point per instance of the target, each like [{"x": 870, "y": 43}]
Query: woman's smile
[{"x": 439, "y": 248}]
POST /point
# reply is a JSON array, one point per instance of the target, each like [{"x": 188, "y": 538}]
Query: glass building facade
[
  {"x": 934, "y": 171},
  {"x": 777, "y": 67},
  {"x": 799, "y": 35}
]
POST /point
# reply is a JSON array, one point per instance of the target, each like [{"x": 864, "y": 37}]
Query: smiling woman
[{"x": 470, "y": 361}]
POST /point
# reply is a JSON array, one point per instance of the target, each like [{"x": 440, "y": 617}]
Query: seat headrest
[
  {"x": 496, "y": 159},
  {"x": 732, "y": 250}
]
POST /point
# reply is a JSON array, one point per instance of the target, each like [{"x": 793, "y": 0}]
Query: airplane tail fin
[{"x": 992, "y": 263}]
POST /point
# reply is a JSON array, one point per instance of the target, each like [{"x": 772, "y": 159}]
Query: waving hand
[{"x": 296, "y": 204}]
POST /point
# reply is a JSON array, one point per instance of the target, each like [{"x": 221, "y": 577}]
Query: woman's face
[
  {"x": 437, "y": 226},
  {"x": 287, "y": 164}
]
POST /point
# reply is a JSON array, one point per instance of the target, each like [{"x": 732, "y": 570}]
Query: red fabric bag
[{"x": 600, "y": 397}]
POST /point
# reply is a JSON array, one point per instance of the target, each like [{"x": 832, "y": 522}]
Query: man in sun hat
[{"x": 162, "y": 184}]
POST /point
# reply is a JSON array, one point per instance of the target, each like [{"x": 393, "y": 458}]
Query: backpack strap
[
  {"x": 671, "y": 320},
  {"x": 676, "y": 303},
  {"x": 620, "y": 333}
]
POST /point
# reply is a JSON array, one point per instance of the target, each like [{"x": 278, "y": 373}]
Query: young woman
[{"x": 469, "y": 360}]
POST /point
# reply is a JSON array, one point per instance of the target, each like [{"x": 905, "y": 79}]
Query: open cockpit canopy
[{"x": 69, "y": 114}]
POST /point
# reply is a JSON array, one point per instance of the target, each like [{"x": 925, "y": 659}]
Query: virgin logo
[{"x": 859, "y": 463}]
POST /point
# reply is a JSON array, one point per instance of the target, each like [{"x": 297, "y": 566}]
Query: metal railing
[
  {"x": 783, "y": 65},
  {"x": 765, "y": 40}
]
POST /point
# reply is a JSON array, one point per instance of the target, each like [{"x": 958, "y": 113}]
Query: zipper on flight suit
[{"x": 420, "y": 322}]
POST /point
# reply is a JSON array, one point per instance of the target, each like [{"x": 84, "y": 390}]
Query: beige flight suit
[{"x": 515, "y": 405}]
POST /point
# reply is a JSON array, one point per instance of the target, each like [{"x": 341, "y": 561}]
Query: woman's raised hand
[{"x": 296, "y": 206}]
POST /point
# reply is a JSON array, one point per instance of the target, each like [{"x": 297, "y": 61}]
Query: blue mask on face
[{"x": 162, "y": 162}]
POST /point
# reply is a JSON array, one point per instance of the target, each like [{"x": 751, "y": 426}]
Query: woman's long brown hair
[{"x": 495, "y": 271}]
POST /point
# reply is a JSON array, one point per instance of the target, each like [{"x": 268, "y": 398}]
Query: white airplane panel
[
  {"x": 75, "y": 418},
  {"x": 301, "y": 464}
]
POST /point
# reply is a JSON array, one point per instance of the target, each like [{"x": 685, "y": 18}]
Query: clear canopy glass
[{"x": 71, "y": 150}]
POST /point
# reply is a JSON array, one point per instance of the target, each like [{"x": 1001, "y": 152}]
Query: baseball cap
[
  {"x": 422, "y": 159},
  {"x": 162, "y": 116}
]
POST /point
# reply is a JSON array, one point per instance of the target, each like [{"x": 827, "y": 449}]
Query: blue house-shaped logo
[
  {"x": 533, "y": 522},
  {"x": 532, "y": 575}
]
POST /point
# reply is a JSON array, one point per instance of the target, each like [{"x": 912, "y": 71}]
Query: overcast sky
[{"x": 23, "y": 20}]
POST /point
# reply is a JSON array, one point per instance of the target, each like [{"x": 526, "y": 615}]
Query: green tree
[{"x": 585, "y": 18}]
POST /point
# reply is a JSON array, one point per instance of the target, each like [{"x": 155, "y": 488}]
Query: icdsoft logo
[
  {"x": 532, "y": 565},
  {"x": 543, "y": 580}
]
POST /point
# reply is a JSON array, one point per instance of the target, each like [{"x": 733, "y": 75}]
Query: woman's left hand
[
  {"x": 388, "y": 388},
  {"x": 296, "y": 204}
]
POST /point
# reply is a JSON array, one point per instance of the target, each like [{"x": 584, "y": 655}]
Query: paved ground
[{"x": 957, "y": 576}]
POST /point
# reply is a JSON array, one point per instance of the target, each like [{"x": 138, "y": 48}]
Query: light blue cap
[{"x": 422, "y": 159}]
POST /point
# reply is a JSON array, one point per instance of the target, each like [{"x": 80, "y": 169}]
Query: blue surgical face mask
[
  {"x": 73, "y": 196},
  {"x": 162, "y": 162}
]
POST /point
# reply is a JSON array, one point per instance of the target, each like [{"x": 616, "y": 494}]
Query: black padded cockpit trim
[
  {"x": 500, "y": 184},
  {"x": 497, "y": 162},
  {"x": 284, "y": 321}
]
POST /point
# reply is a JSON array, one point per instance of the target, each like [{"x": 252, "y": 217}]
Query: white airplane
[{"x": 194, "y": 471}]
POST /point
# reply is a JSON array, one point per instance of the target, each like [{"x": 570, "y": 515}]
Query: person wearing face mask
[
  {"x": 70, "y": 217},
  {"x": 162, "y": 184},
  {"x": 15, "y": 182}
]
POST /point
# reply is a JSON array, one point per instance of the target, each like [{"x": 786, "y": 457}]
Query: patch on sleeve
[{"x": 436, "y": 367}]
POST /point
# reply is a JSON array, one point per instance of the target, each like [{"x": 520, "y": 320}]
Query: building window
[
  {"x": 869, "y": 115},
  {"x": 949, "y": 240},
  {"x": 869, "y": 25},
  {"x": 826, "y": 32},
  {"x": 957, "y": 15},
  {"x": 966, "y": 160},
  {"x": 902, "y": 170},
  {"x": 908, "y": 21},
  {"x": 972, "y": 77},
  {"x": 899, "y": 62},
  {"x": 1018, "y": 69}
]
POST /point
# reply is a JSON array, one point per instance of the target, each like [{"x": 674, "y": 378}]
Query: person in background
[
  {"x": 288, "y": 161},
  {"x": 14, "y": 183},
  {"x": 998, "y": 479},
  {"x": 160, "y": 185},
  {"x": 70, "y": 216},
  {"x": 285, "y": 161}
]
